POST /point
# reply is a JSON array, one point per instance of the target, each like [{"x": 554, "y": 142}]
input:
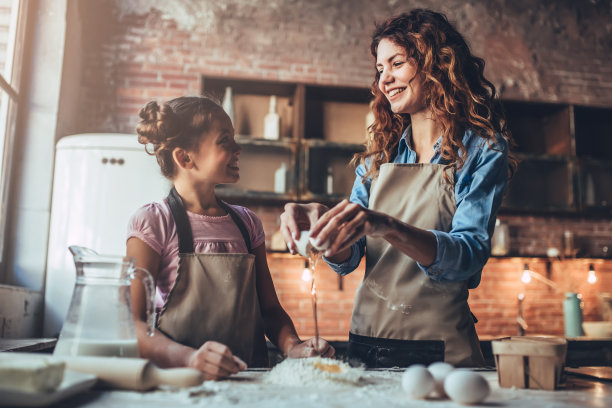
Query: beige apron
[
  {"x": 396, "y": 300},
  {"x": 214, "y": 296}
]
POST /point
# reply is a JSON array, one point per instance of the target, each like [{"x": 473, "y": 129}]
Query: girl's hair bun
[{"x": 157, "y": 124}]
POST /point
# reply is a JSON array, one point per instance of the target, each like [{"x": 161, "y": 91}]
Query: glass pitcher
[{"x": 99, "y": 320}]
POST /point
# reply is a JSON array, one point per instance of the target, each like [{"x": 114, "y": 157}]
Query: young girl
[
  {"x": 215, "y": 297},
  {"x": 425, "y": 198}
]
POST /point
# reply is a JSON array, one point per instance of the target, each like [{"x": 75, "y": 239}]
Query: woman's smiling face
[{"x": 398, "y": 79}]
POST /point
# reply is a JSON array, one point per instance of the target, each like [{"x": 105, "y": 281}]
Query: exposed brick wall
[
  {"x": 533, "y": 235},
  {"x": 541, "y": 50},
  {"x": 546, "y": 50},
  {"x": 494, "y": 302}
]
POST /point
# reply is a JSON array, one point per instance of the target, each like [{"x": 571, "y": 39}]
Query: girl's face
[
  {"x": 399, "y": 80},
  {"x": 216, "y": 158}
]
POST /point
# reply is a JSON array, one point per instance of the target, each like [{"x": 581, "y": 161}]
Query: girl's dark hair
[
  {"x": 455, "y": 89},
  {"x": 177, "y": 123}
]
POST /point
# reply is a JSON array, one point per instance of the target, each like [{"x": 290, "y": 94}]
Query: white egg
[
  {"x": 417, "y": 381},
  {"x": 439, "y": 370},
  {"x": 466, "y": 387},
  {"x": 321, "y": 247},
  {"x": 304, "y": 247}
]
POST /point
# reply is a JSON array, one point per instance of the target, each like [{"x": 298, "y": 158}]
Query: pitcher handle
[{"x": 149, "y": 284}]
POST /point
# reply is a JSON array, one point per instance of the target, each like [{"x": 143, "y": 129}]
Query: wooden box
[{"x": 530, "y": 362}]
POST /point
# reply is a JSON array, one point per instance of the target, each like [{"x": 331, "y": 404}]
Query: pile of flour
[{"x": 313, "y": 371}]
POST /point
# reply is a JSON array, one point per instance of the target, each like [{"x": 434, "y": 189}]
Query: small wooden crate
[{"x": 530, "y": 362}]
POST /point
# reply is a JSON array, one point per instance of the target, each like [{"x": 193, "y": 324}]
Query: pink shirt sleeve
[{"x": 150, "y": 224}]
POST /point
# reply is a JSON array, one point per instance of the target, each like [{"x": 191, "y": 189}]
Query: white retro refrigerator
[{"x": 99, "y": 181}]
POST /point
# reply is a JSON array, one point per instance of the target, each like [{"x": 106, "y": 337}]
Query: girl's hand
[
  {"x": 307, "y": 349},
  {"x": 299, "y": 217},
  {"x": 216, "y": 361},
  {"x": 343, "y": 225}
]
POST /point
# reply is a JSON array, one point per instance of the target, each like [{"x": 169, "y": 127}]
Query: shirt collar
[{"x": 404, "y": 142}]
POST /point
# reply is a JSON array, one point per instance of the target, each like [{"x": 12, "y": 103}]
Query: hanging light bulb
[
  {"x": 526, "y": 278},
  {"x": 306, "y": 273},
  {"x": 592, "y": 278}
]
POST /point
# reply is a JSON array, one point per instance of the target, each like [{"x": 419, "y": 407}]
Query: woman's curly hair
[
  {"x": 456, "y": 91},
  {"x": 177, "y": 123}
]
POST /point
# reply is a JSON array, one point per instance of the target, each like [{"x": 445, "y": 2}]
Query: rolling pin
[{"x": 133, "y": 373}]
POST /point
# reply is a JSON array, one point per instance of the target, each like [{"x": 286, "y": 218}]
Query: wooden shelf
[
  {"x": 230, "y": 194},
  {"x": 317, "y": 143},
  {"x": 593, "y": 127},
  {"x": 595, "y": 180},
  {"x": 248, "y": 141},
  {"x": 565, "y": 150},
  {"x": 538, "y": 128},
  {"x": 542, "y": 183}
]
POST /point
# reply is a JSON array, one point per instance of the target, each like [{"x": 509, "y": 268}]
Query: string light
[
  {"x": 526, "y": 278},
  {"x": 592, "y": 278}
]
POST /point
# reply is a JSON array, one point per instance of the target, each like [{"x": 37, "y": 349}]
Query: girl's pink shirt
[{"x": 154, "y": 225}]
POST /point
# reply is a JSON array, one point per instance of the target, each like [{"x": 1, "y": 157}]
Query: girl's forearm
[
  {"x": 160, "y": 349},
  {"x": 280, "y": 329}
]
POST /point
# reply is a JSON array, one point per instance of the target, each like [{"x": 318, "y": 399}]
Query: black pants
[{"x": 385, "y": 353}]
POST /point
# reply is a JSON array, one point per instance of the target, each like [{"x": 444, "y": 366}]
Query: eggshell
[
  {"x": 466, "y": 387},
  {"x": 417, "y": 381},
  {"x": 439, "y": 370},
  {"x": 321, "y": 247},
  {"x": 304, "y": 247}
]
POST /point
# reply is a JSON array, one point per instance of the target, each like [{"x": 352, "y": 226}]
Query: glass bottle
[
  {"x": 329, "y": 182},
  {"x": 572, "y": 315}
]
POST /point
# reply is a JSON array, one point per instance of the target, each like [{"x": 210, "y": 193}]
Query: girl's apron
[
  {"x": 397, "y": 303},
  {"x": 214, "y": 296}
]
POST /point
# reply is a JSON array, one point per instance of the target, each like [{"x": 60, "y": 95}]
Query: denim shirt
[{"x": 479, "y": 187}]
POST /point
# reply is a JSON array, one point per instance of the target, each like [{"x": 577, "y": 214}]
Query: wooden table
[{"x": 379, "y": 389}]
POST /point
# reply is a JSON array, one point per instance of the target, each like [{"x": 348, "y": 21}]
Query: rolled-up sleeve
[
  {"x": 359, "y": 194},
  {"x": 462, "y": 253}
]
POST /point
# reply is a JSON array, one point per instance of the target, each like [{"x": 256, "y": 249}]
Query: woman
[{"x": 425, "y": 198}]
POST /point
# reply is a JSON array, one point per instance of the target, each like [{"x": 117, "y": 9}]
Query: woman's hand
[
  {"x": 343, "y": 225},
  {"x": 307, "y": 349},
  {"x": 299, "y": 217},
  {"x": 216, "y": 361}
]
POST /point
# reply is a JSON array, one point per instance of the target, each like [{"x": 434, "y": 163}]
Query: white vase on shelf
[
  {"x": 272, "y": 122},
  {"x": 280, "y": 179},
  {"x": 228, "y": 103}
]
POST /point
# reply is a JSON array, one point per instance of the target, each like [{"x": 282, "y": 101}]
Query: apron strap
[
  {"x": 238, "y": 221},
  {"x": 183, "y": 227}
]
